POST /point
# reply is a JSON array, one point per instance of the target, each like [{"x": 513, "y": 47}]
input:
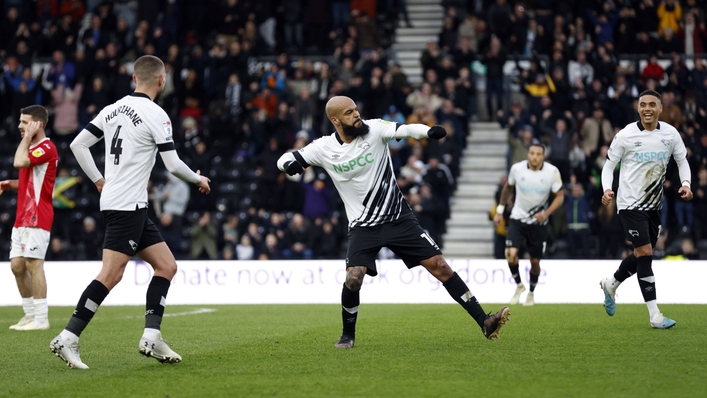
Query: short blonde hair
[{"x": 148, "y": 69}]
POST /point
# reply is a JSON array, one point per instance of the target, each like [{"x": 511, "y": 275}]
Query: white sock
[
  {"x": 69, "y": 336},
  {"x": 41, "y": 310},
  {"x": 613, "y": 283},
  {"x": 653, "y": 310},
  {"x": 28, "y": 306},
  {"x": 152, "y": 334}
]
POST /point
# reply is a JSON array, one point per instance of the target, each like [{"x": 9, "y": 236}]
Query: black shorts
[
  {"x": 641, "y": 227},
  {"x": 534, "y": 236},
  {"x": 129, "y": 231},
  {"x": 405, "y": 238}
]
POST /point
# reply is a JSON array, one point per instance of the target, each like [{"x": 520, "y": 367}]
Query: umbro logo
[
  {"x": 133, "y": 244},
  {"x": 335, "y": 156},
  {"x": 648, "y": 288},
  {"x": 633, "y": 232},
  {"x": 364, "y": 145},
  {"x": 665, "y": 142},
  {"x": 638, "y": 143}
]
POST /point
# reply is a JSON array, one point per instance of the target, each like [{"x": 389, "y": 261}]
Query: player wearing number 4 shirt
[
  {"x": 36, "y": 158},
  {"x": 135, "y": 129},
  {"x": 534, "y": 182},
  {"x": 357, "y": 159},
  {"x": 643, "y": 148}
]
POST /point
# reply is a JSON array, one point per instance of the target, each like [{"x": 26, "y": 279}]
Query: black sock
[
  {"x": 627, "y": 268},
  {"x": 155, "y": 302},
  {"x": 87, "y": 306},
  {"x": 533, "y": 281},
  {"x": 350, "y": 301},
  {"x": 462, "y": 295},
  {"x": 515, "y": 272},
  {"x": 646, "y": 280}
]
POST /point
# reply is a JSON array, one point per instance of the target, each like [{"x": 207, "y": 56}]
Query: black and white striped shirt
[
  {"x": 362, "y": 171},
  {"x": 644, "y": 157}
]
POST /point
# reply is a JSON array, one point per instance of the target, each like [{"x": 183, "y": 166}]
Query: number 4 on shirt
[{"x": 116, "y": 146}]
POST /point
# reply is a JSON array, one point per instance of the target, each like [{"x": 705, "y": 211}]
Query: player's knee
[
  {"x": 354, "y": 277},
  {"x": 18, "y": 267},
  {"x": 511, "y": 255},
  {"x": 166, "y": 268}
]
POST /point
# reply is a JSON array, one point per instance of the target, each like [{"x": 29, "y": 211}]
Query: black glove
[
  {"x": 436, "y": 132},
  {"x": 293, "y": 167}
]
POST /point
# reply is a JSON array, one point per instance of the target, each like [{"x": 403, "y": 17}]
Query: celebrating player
[
  {"x": 356, "y": 157},
  {"x": 643, "y": 148}
]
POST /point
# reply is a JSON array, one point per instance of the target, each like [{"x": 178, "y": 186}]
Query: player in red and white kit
[{"x": 36, "y": 158}]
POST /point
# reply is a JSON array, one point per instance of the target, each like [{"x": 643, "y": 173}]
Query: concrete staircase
[
  {"x": 426, "y": 16},
  {"x": 469, "y": 231}
]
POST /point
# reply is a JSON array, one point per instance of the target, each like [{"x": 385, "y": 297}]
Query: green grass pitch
[{"x": 401, "y": 351}]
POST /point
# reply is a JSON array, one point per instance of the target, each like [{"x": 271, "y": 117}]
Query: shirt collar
[
  {"x": 143, "y": 95},
  {"x": 640, "y": 126}
]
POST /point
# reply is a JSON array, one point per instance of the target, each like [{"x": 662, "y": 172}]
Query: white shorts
[{"x": 29, "y": 242}]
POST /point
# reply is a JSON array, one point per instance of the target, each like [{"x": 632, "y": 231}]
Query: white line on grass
[{"x": 195, "y": 312}]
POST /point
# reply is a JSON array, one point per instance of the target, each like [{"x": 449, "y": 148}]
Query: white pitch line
[
  {"x": 195, "y": 312},
  {"x": 199, "y": 311}
]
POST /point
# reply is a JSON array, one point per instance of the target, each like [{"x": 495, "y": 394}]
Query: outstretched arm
[{"x": 418, "y": 132}]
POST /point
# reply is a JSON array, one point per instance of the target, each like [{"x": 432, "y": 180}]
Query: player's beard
[{"x": 353, "y": 131}]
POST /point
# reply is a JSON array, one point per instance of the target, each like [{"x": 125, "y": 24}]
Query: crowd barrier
[{"x": 319, "y": 282}]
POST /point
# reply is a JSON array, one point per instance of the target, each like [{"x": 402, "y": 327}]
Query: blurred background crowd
[{"x": 247, "y": 80}]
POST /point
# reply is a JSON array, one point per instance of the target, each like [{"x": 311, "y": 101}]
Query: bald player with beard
[{"x": 357, "y": 159}]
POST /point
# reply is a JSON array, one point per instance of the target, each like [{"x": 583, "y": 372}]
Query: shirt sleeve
[
  {"x": 512, "y": 176},
  {"x": 43, "y": 153},
  {"x": 616, "y": 149},
  {"x": 160, "y": 128},
  {"x": 556, "y": 180}
]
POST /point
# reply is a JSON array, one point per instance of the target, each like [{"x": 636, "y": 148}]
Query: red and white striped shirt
[{"x": 35, "y": 187}]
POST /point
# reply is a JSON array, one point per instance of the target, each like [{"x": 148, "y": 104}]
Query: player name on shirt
[{"x": 127, "y": 111}]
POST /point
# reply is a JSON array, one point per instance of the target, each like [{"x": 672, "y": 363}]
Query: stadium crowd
[{"x": 247, "y": 80}]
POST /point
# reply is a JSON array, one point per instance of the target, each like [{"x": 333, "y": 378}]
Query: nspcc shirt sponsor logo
[
  {"x": 652, "y": 156},
  {"x": 361, "y": 161}
]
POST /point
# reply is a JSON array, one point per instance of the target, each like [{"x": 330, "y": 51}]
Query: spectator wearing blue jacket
[
  {"x": 603, "y": 25},
  {"x": 578, "y": 217}
]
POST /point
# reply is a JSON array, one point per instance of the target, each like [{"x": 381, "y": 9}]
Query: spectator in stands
[
  {"x": 424, "y": 99},
  {"x": 603, "y": 23},
  {"x": 578, "y": 219},
  {"x": 653, "y": 70},
  {"x": 596, "y": 132},
  {"x": 431, "y": 56},
  {"x": 519, "y": 144},
  {"x": 272, "y": 250},
  {"x": 692, "y": 35},
  {"x": 171, "y": 198},
  {"x": 245, "y": 249},
  {"x": 580, "y": 72},
  {"x": 448, "y": 37},
  {"x": 203, "y": 234},
  {"x": 59, "y": 250},
  {"x": 328, "y": 245},
  {"x": 671, "y": 111},
  {"x": 440, "y": 179},
  {"x": 298, "y": 239},
  {"x": 515, "y": 119},
  {"x": 90, "y": 241},
  {"x": 700, "y": 204},
  {"x": 94, "y": 99},
  {"x": 495, "y": 59},
  {"x": 559, "y": 140},
  {"x": 66, "y": 104},
  {"x": 669, "y": 43},
  {"x": 669, "y": 15}
]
